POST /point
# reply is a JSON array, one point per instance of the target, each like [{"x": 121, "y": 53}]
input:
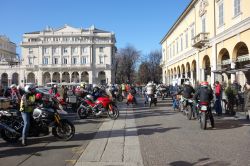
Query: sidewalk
[{"x": 115, "y": 144}]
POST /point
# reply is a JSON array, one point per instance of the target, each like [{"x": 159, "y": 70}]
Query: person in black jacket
[
  {"x": 205, "y": 94},
  {"x": 187, "y": 90}
]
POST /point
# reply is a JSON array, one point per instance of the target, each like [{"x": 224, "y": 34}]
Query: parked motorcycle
[
  {"x": 42, "y": 119},
  {"x": 102, "y": 105},
  {"x": 205, "y": 113}
]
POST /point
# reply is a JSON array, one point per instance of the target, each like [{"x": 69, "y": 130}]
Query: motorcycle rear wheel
[
  {"x": 9, "y": 137},
  {"x": 114, "y": 113},
  {"x": 65, "y": 131},
  {"x": 203, "y": 121},
  {"x": 189, "y": 112}
]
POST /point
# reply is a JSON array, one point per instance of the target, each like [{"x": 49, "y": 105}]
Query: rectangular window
[
  {"x": 101, "y": 60},
  {"x": 221, "y": 14},
  {"x": 203, "y": 23},
  {"x": 75, "y": 50},
  {"x": 173, "y": 49},
  {"x": 181, "y": 44},
  {"x": 55, "y": 61},
  {"x": 236, "y": 7},
  {"x": 65, "y": 50},
  {"x": 100, "y": 49},
  {"x": 65, "y": 61},
  {"x": 30, "y": 50},
  {"x": 45, "y": 50},
  {"x": 30, "y": 60},
  {"x": 177, "y": 46},
  {"x": 84, "y": 49},
  {"x": 45, "y": 61},
  {"x": 74, "y": 60},
  {"x": 186, "y": 39},
  {"x": 84, "y": 60}
]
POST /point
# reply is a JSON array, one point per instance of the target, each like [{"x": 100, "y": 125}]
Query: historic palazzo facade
[
  {"x": 9, "y": 66},
  {"x": 68, "y": 55},
  {"x": 209, "y": 41}
]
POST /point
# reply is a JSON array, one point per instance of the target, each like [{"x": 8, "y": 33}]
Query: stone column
[
  {"x": 40, "y": 78},
  {"x": 198, "y": 75},
  {"x": 213, "y": 63},
  {"x": 80, "y": 75},
  {"x": 51, "y": 76},
  {"x": 91, "y": 80},
  {"x": 70, "y": 77},
  {"x": 233, "y": 76},
  {"x": 60, "y": 77},
  {"x": 192, "y": 77},
  {"x": 202, "y": 73}
]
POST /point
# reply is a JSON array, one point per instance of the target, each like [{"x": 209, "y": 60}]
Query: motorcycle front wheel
[
  {"x": 9, "y": 136},
  {"x": 64, "y": 131},
  {"x": 113, "y": 112},
  {"x": 82, "y": 113},
  {"x": 120, "y": 98}
]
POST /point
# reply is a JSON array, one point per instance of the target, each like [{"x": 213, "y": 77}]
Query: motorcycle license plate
[{"x": 203, "y": 108}]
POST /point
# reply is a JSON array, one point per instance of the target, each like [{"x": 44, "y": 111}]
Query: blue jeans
[
  {"x": 218, "y": 108},
  {"x": 175, "y": 103},
  {"x": 26, "y": 120}
]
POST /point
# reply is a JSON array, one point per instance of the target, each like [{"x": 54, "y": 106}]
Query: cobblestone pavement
[{"x": 168, "y": 138}]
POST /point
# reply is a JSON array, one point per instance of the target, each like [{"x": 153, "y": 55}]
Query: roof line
[{"x": 177, "y": 22}]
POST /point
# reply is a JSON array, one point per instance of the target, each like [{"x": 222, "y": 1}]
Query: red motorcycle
[{"x": 97, "y": 108}]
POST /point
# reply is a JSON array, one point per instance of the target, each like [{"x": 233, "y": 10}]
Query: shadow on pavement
[
  {"x": 222, "y": 124},
  {"x": 203, "y": 162},
  {"x": 29, "y": 150}
]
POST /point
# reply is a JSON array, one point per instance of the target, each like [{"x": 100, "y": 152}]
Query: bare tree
[
  {"x": 143, "y": 72},
  {"x": 155, "y": 69},
  {"x": 127, "y": 57}
]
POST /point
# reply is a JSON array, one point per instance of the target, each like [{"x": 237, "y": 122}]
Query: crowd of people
[{"x": 23, "y": 99}]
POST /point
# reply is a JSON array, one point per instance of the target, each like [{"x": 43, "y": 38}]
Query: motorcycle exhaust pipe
[{"x": 4, "y": 126}]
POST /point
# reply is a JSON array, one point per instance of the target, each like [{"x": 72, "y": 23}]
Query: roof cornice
[{"x": 180, "y": 18}]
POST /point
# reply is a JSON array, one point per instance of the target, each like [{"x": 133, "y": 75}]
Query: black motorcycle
[
  {"x": 43, "y": 117},
  {"x": 152, "y": 99},
  {"x": 188, "y": 109},
  {"x": 205, "y": 113}
]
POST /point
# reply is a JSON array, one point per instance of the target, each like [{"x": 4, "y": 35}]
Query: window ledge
[
  {"x": 221, "y": 25},
  {"x": 237, "y": 15}
]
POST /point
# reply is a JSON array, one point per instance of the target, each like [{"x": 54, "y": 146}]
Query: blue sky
[{"x": 141, "y": 23}]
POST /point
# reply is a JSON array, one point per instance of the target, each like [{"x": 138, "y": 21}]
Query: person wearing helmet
[
  {"x": 15, "y": 96},
  {"x": 97, "y": 92},
  {"x": 187, "y": 90},
  {"x": 26, "y": 108},
  {"x": 204, "y": 94}
]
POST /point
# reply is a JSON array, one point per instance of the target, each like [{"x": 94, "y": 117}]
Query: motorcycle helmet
[
  {"x": 39, "y": 96},
  {"x": 29, "y": 89},
  {"x": 204, "y": 84},
  {"x": 187, "y": 83}
]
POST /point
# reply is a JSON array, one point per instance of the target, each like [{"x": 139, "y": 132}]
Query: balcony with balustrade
[{"x": 200, "y": 40}]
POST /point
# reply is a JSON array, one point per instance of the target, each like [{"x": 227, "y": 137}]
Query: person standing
[
  {"x": 26, "y": 108},
  {"x": 247, "y": 99},
  {"x": 218, "y": 93}
]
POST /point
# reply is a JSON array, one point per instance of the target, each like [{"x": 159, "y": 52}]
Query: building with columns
[
  {"x": 209, "y": 41},
  {"x": 68, "y": 54},
  {"x": 9, "y": 64}
]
